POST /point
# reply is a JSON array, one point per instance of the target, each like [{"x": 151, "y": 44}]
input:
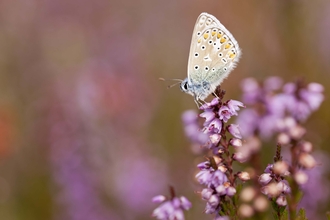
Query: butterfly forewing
[{"x": 213, "y": 52}]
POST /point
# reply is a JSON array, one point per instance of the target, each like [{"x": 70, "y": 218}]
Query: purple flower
[
  {"x": 214, "y": 127},
  {"x": 171, "y": 209},
  {"x": 225, "y": 113},
  {"x": 234, "y": 106},
  {"x": 210, "y": 105},
  {"x": 209, "y": 115},
  {"x": 192, "y": 129},
  {"x": 225, "y": 190},
  {"x": 234, "y": 130},
  {"x": 303, "y": 99},
  {"x": 210, "y": 177}
]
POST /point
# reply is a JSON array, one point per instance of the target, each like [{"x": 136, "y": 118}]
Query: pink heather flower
[
  {"x": 313, "y": 95},
  {"x": 158, "y": 199},
  {"x": 234, "y": 106},
  {"x": 226, "y": 190},
  {"x": 235, "y": 142},
  {"x": 234, "y": 130},
  {"x": 210, "y": 105},
  {"x": 189, "y": 117},
  {"x": 204, "y": 165},
  {"x": 218, "y": 178},
  {"x": 224, "y": 113},
  {"x": 192, "y": 129},
  {"x": 215, "y": 126},
  {"x": 204, "y": 177},
  {"x": 171, "y": 209},
  {"x": 303, "y": 100},
  {"x": 207, "y": 193},
  {"x": 218, "y": 217},
  {"x": 250, "y": 89},
  {"x": 265, "y": 178},
  {"x": 186, "y": 205},
  {"x": 214, "y": 200},
  {"x": 281, "y": 201},
  {"x": 209, "y": 209},
  {"x": 208, "y": 177},
  {"x": 209, "y": 115},
  {"x": 273, "y": 83}
]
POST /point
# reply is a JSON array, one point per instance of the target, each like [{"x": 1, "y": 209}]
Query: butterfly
[{"x": 214, "y": 53}]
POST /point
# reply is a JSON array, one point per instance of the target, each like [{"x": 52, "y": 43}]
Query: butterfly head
[{"x": 185, "y": 87}]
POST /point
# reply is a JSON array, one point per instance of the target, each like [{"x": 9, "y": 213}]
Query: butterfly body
[{"x": 214, "y": 52}]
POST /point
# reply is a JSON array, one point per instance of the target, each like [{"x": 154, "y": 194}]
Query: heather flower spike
[
  {"x": 274, "y": 108},
  {"x": 172, "y": 208}
]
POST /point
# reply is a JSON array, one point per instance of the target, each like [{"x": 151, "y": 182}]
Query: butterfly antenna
[{"x": 170, "y": 86}]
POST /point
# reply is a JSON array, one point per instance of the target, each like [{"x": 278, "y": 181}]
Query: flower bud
[
  {"x": 281, "y": 201},
  {"x": 271, "y": 190},
  {"x": 217, "y": 160},
  {"x": 280, "y": 167},
  {"x": 235, "y": 142},
  {"x": 284, "y": 187},
  {"x": 283, "y": 138},
  {"x": 244, "y": 176},
  {"x": 245, "y": 211},
  {"x": 230, "y": 191},
  {"x": 240, "y": 157},
  {"x": 306, "y": 146},
  {"x": 207, "y": 193},
  {"x": 265, "y": 178},
  {"x": 222, "y": 168},
  {"x": 247, "y": 194},
  {"x": 221, "y": 189},
  {"x": 215, "y": 138},
  {"x": 214, "y": 200},
  {"x": 297, "y": 132},
  {"x": 300, "y": 177},
  {"x": 260, "y": 203},
  {"x": 307, "y": 160},
  {"x": 158, "y": 199},
  {"x": 234, "y": 130}
]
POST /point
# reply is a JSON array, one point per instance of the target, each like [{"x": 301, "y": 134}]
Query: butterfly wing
[{"x": 214, "y": 52}]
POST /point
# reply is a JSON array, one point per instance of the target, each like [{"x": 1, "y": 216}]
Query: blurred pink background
[{"x": 87, "y": 131}]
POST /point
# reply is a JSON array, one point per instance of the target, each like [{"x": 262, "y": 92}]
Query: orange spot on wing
[
  {"x": 227, "y": 46},
  {"x": 222, "y": 40},
  {"x": 206, "y": 36}
]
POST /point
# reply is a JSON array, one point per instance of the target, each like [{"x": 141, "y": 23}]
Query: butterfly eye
[
  {"x": 196, "y": 67},
  {"x": 185, "y": 86}
]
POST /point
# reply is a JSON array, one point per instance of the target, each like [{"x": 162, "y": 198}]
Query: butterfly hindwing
[{"x": 213, "y": 52}]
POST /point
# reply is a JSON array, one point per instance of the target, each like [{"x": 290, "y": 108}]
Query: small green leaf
[{"x": 301, "y": 214}]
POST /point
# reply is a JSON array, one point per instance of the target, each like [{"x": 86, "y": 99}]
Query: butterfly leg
[
  {"x": 215, "y": 95},
  {"x": 197, "y": 101}
]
